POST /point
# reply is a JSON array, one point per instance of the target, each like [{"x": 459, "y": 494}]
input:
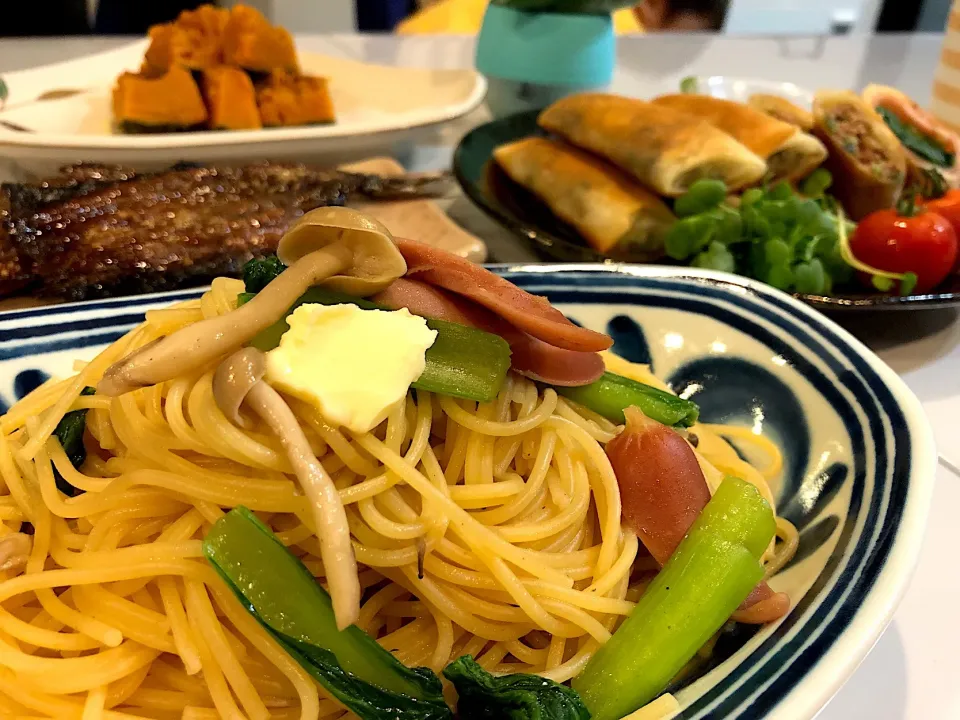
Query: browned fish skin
[{"x": 99, "y": 231}]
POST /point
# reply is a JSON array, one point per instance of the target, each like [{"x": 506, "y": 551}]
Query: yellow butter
[{"x": 354, "y": 365}]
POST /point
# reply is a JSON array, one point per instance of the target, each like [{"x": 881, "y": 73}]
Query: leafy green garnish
[
  {"x": 258, "y": 273},
  {"x": 689, "y": 85},
  {"x": 703, "y": 195},
  {"x": 922, "y": 145},
  {"x": 776, "y": 235},
  {"x": 816, "y": 184},
  {"x": 69, "y": 432},
  {"x": 512, "y": 697}
]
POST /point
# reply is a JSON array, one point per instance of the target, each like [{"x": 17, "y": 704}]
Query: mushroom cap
[{"x": 376, "y": 260}]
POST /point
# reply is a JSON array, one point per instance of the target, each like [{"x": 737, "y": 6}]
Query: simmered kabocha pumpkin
[
  {"x": 169, "y": 103},
  {"x": 251, "y": 42},
  {"x": 219, "y": 69},
  {"x": 230, "y": 99},
  {"x": 287, "y": 99},
  {"x": 194, "y": 40}
]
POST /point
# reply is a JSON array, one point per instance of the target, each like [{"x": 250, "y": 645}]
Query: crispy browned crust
[
  {"x": 109, "y": 231},
  {"x": 782, "y": 109},
  {"x": 758, "y": 132}
]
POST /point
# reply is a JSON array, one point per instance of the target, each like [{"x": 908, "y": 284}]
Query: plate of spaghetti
[{"x": 374, "y": 480}]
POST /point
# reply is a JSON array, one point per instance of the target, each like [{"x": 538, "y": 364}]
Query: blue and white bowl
[{"x": 859, "y": 454}]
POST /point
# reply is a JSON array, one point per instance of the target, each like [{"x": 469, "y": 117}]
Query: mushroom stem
[
  {"x": 237, "y": 380},
  {"x": 14, "y": 551},
  {"x": 194, "y": 346}
]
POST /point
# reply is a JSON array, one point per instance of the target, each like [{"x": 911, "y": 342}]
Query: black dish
[{"x": 552, "y": 239}]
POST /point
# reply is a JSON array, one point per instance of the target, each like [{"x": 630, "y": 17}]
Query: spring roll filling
[{"x": 855, "y": 135}]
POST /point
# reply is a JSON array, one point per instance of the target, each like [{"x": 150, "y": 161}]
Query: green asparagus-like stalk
[
  {"x": 288, "y": 602},
  {"x": 712, "y": 571},
  {"x": 612, "y": 394}
]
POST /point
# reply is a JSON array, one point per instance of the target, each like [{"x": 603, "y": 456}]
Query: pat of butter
[{"x": 353, "y": 365}]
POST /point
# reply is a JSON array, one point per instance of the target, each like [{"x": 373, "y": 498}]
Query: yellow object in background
[{"x": 464, "y": 17}]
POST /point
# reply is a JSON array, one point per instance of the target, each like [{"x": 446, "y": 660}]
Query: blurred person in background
[
  {"x": 134, "y": 17},
  {"x": 103, "y": 17},
  {"x": 466, "y": 16}
]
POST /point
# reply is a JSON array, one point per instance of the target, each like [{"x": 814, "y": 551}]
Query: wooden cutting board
[{"x": 421, "y": 220}]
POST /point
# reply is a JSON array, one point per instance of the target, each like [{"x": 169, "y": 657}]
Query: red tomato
[
  {"x": 924, "y": 243},
  {"x": 949, "y": 207}
]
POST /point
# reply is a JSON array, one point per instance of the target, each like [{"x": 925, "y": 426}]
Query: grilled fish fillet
[{"x": 96, "y": 231}]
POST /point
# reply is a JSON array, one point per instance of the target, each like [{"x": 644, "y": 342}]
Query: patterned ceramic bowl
[{"x": 859, "y": 455}]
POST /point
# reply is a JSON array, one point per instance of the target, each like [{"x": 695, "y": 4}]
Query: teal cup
[{"x": 531, "y": 59}]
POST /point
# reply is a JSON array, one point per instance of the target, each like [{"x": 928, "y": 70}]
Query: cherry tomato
[
  {"x": 949, "y": 207},
  {"x": 918, "y": 241}
]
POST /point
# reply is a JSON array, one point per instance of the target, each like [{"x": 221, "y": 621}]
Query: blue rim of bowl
[{"x": 834, "y": 624}]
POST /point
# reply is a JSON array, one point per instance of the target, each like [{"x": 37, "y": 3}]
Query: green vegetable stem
[
  {"x": 462, "y": 362},
  {"x": 288, "y": 602},
  {"x": 712, "y": 571},
  {"x": 612, "y": 393},
  {"x": 69, "y": 432},
  {"x": 275, "y": 587}
]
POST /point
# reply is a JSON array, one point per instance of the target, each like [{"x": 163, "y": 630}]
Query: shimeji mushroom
[
  {"x": 336, "y": 247},
  {"x": 238, "y": 381},
  {"x": 14, "y": 551}
]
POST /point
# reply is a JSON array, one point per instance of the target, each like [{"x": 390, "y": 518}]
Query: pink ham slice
[
  {"x": 662, "y": 491},
  {"x": 534, "y": 315},
  {"x": 531, "y": 357}
]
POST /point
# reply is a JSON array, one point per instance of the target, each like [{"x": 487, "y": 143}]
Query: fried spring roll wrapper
[
  {"x": 614, "y": 213},
  {"x": 782, "y": 109},
  {"x": 927, "y": 126},
  {"x": 867, "y": 161},
  {"x": 789, "y": 152},
  {"x": 666, "y": 150}
]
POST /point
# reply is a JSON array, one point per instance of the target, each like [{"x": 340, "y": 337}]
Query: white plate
[
  {"x": 375, "y": 105},
  {"x": 739, "y": 89}
]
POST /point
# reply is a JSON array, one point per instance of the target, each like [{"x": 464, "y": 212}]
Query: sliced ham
[
  {"x": 662, "y": 491},
  {"x": 534, "y": 315},
  {"x": 530, "y": 356}
]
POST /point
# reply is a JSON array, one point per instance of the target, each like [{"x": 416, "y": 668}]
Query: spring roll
[
  {"x": 789, "y": 152},
  {"x": 615, "y": 214},
  {"x": 928, "y": 144},
  {"x": 666, "y": 150},
  {"x": 866, "y": 159},
  {"x": 782, "y": 109}
]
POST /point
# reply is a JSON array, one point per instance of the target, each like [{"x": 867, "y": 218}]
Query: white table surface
[{"x": 914, "y": 671}]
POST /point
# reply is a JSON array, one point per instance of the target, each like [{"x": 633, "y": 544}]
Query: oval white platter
[{"x": 375, "y": 105}]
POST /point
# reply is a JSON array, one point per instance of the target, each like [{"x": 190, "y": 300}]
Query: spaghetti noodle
[{"x": 490, "y": 530}]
